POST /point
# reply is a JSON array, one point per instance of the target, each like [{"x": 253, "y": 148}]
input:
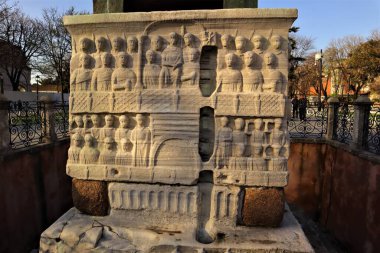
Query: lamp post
[
  {"x": 37, "y": 81},
  {"x": 318, "y": 59},
  {"x": 1, "y": 83}
]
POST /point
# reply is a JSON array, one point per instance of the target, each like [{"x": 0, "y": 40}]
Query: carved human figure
[
  {"x": 278, "y": 137},
  {"x": 171, "y": 63},
  {"x": 108, "y": 129},
  {"x": 258, "y": 44},
  {"x": 276, "y": 44},
  {"x": 95, "y": 129},
  {"x": 123, "y": 78},
  {"x": 85, "y": 46},
  {"x": 151, "y": 71},
  {"x": 252, "y": 79},
  {"x": 191, "y": 69},
  {"x": 132, "y": 50},
  {"x": 75, "y": 148},
  {"x": 81, "y": 77},
  {"x": 238, "y": 161},
  {"x": 156, "y": 44},
  {"x": 189, "y": 41},
  {"x": 230, "y": 79},
  {"x": 123, "y": 155},
  {"x": 122, "y": 132},
  {"x": 239, "y": 136},
  {"x": 107, "y": 154},
  {"x": 101, "y": 79},
  {"x": 89, "y": 154},
  {"x": 141, "y": 140},
  {"x": 79, "y": 123},
  {"x": 256, "y": 161},
  {"x": 273, "y": 78},
  {"x": 207, "y": 38},
  {"x": 223, "y": 145},
  {"x": 226, "y": 43},
  {"x": 240, "y": 44},
  {"x": 118, "y": 46},
  {"x": 101, "y": 48}
]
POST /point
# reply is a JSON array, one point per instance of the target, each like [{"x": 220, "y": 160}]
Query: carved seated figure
[
  {"x": 81, "y": 77},
  {"x": 107, "y": 154},
  {"x": 252, "y": 79},
  {"x": 171, "y": 63},
  {"x": 108, "y": 130},
  {"x": 274, "y": 80},
  {"x": 151, "y": 71},
  {"x": 278, "y": 137},
  {"x": 230, "y": 79},
  {"x": 101, "y": 79},
  {"x": 122, "y": 132},
  {"x": 141, "y": 140},
  {"x": 89, "y": 154},
  {"x": 95, "y": 129},
  {"x": 223, "y": 145},
  {"x": 75, "y": 148},
  {"x": 238, "y": 161},
  {"x": 191, "y": 69},
  {"x": 123, "y": 155},
  {"x": 123, "y": 78}
]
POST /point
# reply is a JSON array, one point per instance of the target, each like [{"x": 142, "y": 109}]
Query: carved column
[
  {"x": 332, "y": 117},
  {"x": 361, "y": 121}
]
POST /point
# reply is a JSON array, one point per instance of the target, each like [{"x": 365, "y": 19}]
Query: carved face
[
  {"x": 194, "y": 55},
  {"x": 117, "y": 44},
  {"x": 150, "y": 56},
  {"x": 230, "y": 60},
  {"x": 123, "y": 121},
  {"x": 88, "y": 140},
  {"x": 188, "y": 39},
  {"x": 85, "y": 45},
  {"x": 101, "y": 44},
  {"x": 277, "y": 124},
  {"x": 258, "y": 123},
  {"x": 269, "y": 59},
  {"x": 123, "y": 60},
  {"x": 240, "y": 43},
  {"x": 77, "y": 140},
  {"x": 257, "y": 150},
  {"x": 173, "y": 39},
  {"x": 107, "y": 60},
  {"x": 239, "y": 124},
  {"x": 276, "y": 42},
  {"x": 95, "y": 120},
  {"x": 225, "y": 39},
  {"x": 224, "y": 121},
  {"x": 249, "y": 59},
  {"x": 156, "y": 43},
  {"x": 109, "y": 121},
  {"x": 85, "y": 61},
  {"x": 79, "y": 121},
  {"x": 132, "y": 43},
  {"x": 140, "y": 120},
  {"x": 108, "y": 144},
  {"x": 258, "y": 42}
]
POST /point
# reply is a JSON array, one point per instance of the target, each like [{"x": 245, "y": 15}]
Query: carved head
[
  {"x": 140, "y": 120},
  {"x": 224, "y": 121},
  {"x": 173, "y": 38},
  {"x": 85, "y": 45},
  {"x": 258, "y": 122},
  {"x": 194, "y": 55},
  {"x": 88, "y": 140},
  {"x": 230, "y": 59},
  {"x": 123, "y": 121},
  {"x": 77, "y": 140},
  {"x": 106, "y": 60},
  {"x": 270, "y": 59},
  {"x": 123, "y": 59},
  {"x": 132, "y": 44},
  {"x": 108, "y": 143},
  {"x": 189, "y": 39},
  {"x": 240, "y": 149},
  {"x": 101, "y": 44},
  {"x": 239, "y": 123},
  {"x": 118, "y": 44},
  {"x": 95, "y": 120},
  {"x": 79, "y": 121},
  {"x": 240, "y": 42},
  {"x": 278, "y": 123},
  {"x": 109, "y": 120},
  {"x": 124, "y": 144},
  {"x": 249, "y": 58},
  {"x": 156, "y": 43},
  {"x": 257, "y": 150},
  {"x": 258, "y": 41},
  {"x": 276, "y": 42},
  {"x": 226, "y": 40},
  {"x": 85, "y": 61},
  {"x": 150, "y": 56}
]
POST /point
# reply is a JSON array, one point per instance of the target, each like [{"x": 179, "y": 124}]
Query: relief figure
[
  {"x": 123, "y": 155},
  {"x": 230, "y": 79},
  {"x": 191, "y": 69},
  {"x": 141, "y": 140},
  {"x": 81, "y": 77},
  {"x": 75, "y": 148},
  {"x": 101, "y": 79},
  {"x": 226, "y": 49},
  {"x": 223, "y": 145},
  {"x": 89, "y": 154},
  {"x": 238, "y": 161},
  {"x": 85, "y": 46},
  {"x": 151, "y": 71},
  {"x": 123, "y": 78},
  {"x": 252, "y": 79},
  {"x": 101, "y": 47},
  {"x": 107, "y": 154},
  {"x": 273, "y": 78},
  {"x": 122, "y": 132}
]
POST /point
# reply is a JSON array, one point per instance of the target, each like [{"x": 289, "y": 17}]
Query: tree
[{"x": 21, "y": 40}]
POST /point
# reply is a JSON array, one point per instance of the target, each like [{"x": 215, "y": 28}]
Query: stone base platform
[{"x": 75, "y": 232}]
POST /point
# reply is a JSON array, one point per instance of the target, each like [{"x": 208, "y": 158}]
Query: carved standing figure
[
  {"x": 239, "y": 136},
  {"x": 256, "y": 161},
  {"x": 122, "y": 132},
  {"x": 118, "y": 46},
  {"x": 75, "y": 148},
  {"x": 223, "y": 145},
  {"x": 101, "y": 79},
  {"x": 85, "y": 46},
  {"x": 108, "y": 130},
  {"x": 123, "y": 155},
  {"x": 95, "y": 130},
  {"x": 107, "y": 154},
  {"x": 101, "y": 47},
  {"x": 252, "y": 79},
  {"x": 156, "y": 44},
  {"x": 78, "y": 120},
  {"x": 278, "y": 137},
  {"x": 151, "y": 71},
  {"x": 238, "y": 161},
  {"x": 123, "y": 78},
  {"x": 191, "y": 69},
  {"x": 141, "y": 140},
  {"x": 273, "y": 79},
  {"x": 189, "y": 41},
  {"x": 226, "y": 44},
  {"x": 132, "y": 50},
  {"x": 171, "y": 63},
  {"x": 207, "y": 38},
  {"x": 230, "y": 79},
  {"x": 89, "y": 154},
  {"x": 81, "y": 77}
]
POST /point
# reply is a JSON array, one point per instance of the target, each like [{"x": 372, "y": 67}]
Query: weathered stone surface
[
  {"x": 108, "y": 6},
  {"x": 263, "y": 207},
  {"x": 90, "y": 197},
  {"x": 240, "y": 4}
]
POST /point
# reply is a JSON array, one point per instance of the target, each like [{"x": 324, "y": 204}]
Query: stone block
[
  {"x": 90, "y": 197},
  {"x": 263, "y": 207}
]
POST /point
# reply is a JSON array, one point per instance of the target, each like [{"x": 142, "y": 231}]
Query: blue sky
[{"x": 322, "y": 20}]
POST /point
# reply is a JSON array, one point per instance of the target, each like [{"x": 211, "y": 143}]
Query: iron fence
[
  {"x": 373, "y": 141},
  {"x": 344, "y": 123},
  {"x": 61, "y": 119},
  {"x": 313, "y": 126}
]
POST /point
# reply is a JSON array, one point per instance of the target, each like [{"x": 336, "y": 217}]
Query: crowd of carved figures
[
  {"x": 120, "y": 65},
  {"x": 93, "y": 143},
  {"x": 258, "y": 149}
]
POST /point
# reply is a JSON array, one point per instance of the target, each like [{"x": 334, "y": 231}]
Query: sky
[{"x": 322, "y": 20}]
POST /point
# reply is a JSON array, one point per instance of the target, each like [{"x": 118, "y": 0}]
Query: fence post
[
  {"x": 4, "y": 126},
  {"x": 50, "y": 134},
  {"x": 362, "y": 109},
  {"x": 332, "y": 117}
]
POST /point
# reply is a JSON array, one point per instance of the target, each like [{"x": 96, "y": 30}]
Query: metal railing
[
  {"x": 373, "y": 141},
  {"x": 344, "y": 123},
  {"x": 313, "y": 126}
]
